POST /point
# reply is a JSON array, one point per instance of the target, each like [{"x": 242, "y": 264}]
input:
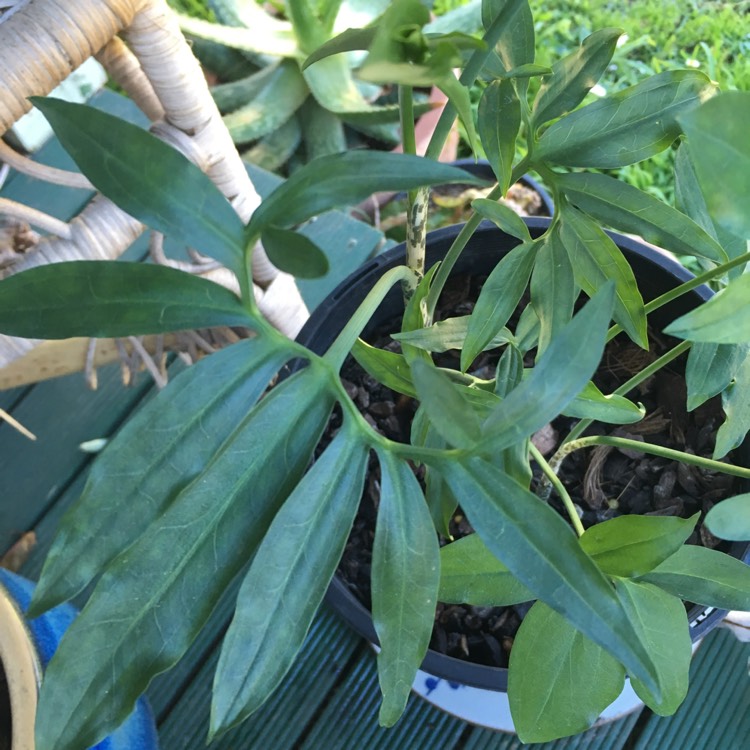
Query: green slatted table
[{"x": 329, "y": 701}]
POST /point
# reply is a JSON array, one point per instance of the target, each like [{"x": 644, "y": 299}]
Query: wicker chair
[{"x": 140, "y": 45}]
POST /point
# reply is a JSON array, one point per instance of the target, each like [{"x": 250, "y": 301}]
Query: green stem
[
  {"x": 688, "y": 286},
  {"x": 654, "y": 450},
  {"x": 344, "y": 342},
  {"x": 559, "y": 486},
  {"x": 635, "y": 381}
]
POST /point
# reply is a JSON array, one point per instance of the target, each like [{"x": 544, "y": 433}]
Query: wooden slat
[
  {"x": 350, "y": 719},
  {"x": 279, "y": 723},
  {"x": 716, "y": 712}
]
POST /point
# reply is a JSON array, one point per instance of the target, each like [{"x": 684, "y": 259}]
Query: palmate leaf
[
  {"x": 498, "y": 122},
  {"x": 294, "y": 253},
  {"x": 690, "y": 200},
  {"x": 556, "y": 379},
  {"x": 155, "y": 597},
  {"x": 595, "y": 258},
  {"x": 730, "y": 519},
  {"x": 515, "y": 46},
  {"x": 737, "y": 409},
  {"x": 559, "y": 681},
  {"x": 662, "y": 626},
  {"x": 446, "y": 405},
  {"x": 503, "y": 217},
  {"x": 553, "y": 288},
  {"x": 471, "y": 574},
  {"x": 628, "y": 126},
  {"x": 148, "y": 179},
  {"x": 389, "y": 368},
  {"x": 344, "y": 179},
  {"x": 286, "y": 582},
  {"x": 574, "y": 76},
  {"x": 546, "y": 557},
  {"x": 707, "y": 576},
  {"x": 591, "y": 403},
  {"x": 624, "y": 207},
  {"x": 405, "y": 579},
  {"x": 113, "y": 298},
  {"x": 724, "y": 319},
  {"x": 719, "y": 148},
  {"x": 498, "y": 299},
  {"x": 710, "y": 369},
  {"x": 166, "y": 445},
  {"x": 630, "y": 546},
  {"x": 447, "y": 334}
]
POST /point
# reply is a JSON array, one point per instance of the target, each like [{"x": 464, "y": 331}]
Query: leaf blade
[
  {"x": 161, "y": 188},
  {"x": 167, "y": 444},
  {"x": 128, "y": 616},
  {"x": 405, "y": 579},
  {"x": 287, "y": 580},
  {"x": 113, "y": 299}
]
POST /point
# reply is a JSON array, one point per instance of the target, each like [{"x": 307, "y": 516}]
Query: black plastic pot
[{"x": 656, "y": 273}]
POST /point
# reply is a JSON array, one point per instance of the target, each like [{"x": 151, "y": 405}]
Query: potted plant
[{"x": 212, "y": 475}]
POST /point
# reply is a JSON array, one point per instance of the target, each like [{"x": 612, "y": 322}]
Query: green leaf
[
  {"x": 333, "y": 87},
  {"x": 515, "y": 46},
  {"x": 280, "y": 98},
  {"x": 574, "y": 75},
  {"x": 459, "y": 97},
  {"x": 626, "y": 127},
  {"x": 447, "y": 334},
  {"x": 595, "y": 259},
  {"x": 631, "y": 546},
  {"x": 559, "y": 681},
  {"x": 661, "y": 622},
  {"x": 440, "y": 501},
  {"x": 591, "y": 403},
  {"x": 719, "y": 147},
  {"x": 553, "y": 288},
  {"x": 159, "y": 186},
  {"x": 498, "y": 122},
  {"x": 264, "y": 35},
  {"x": 388, "y": 368},
  {"x": 345, "y": 179},
  {"x": 509, "y": 370},
  {"x": 503, "y": 217},
  {"x": 294, "y": 253},
  {"x": 167, "y": 444},
  {"x": 556, "y": 379},
  {"x": 471, "y": 574},
  {"x": 136, "y": 623},
  {"x": 737, "y": 409},
  {"x": 690, "y": 200},
  {"x": 103, "y": 298},
  {"x": 707, "y": 576},
  {"x": 287, "y": 580},
  {"x": 730, "y": 519},
  {"x": 724, "y": 319},
  {"x": 545, "y": 556},
  {"x": 628, "y": 209},
  {"x": 405, "y": 579},
  {"x": 445, "y": 405},
  {"x": 711, "y": 368},
  {"x": 527, "y": 330},
  {"x": 347, "y": 41},
  {"x": 498, "y": 300}
]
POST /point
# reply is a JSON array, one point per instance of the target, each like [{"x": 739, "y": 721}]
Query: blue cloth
[{"x": 138, "y": 732}]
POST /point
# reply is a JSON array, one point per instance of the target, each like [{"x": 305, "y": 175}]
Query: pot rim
[{"x": 701, "y": 619}]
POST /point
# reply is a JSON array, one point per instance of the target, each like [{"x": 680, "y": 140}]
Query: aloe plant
[
  {"x": 210, "y": 480},
  {"x": 284, "y": 111}
]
